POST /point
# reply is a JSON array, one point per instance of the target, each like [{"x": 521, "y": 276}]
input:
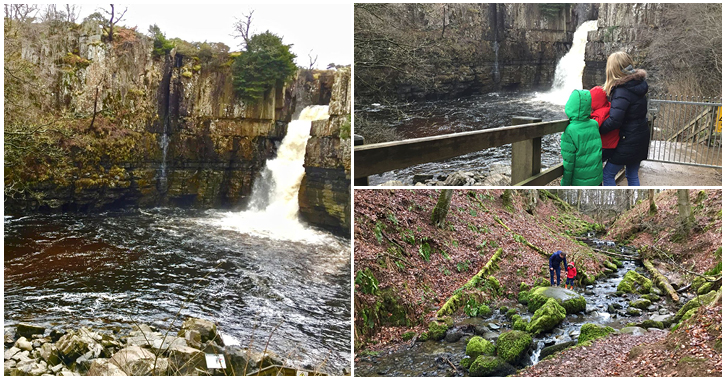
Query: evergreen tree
[{"x": 265, "y": 64}]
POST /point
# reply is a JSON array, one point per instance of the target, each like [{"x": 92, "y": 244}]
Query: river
[
  {"x": 435, "y": 358},
  {"x": 112, "y": 269},
  {"x": 432, "y": 118}
]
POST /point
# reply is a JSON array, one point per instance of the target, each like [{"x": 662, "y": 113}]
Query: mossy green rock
[
  {"x": 493, "y": 283},
  {"x": 652, "y": 297},
  {"x": 524, "y": 297},
  {"x": 591, "y": 331},
  {"x": 490, "y": 366},
  {"x": 546, "y": 317},
  {"x": 695, "y": 303},
  {"x": 706, "y": 288},
  {"x": 650, "y": 323},
  {"x": 512, "y": 346},
  {"x": 511, "y": 312},
  {"x": 408, "y": 335},
  {"x": 478, "y": 346},
  {"x": 524, "y": 286},
  {"x": 503, "y": 309},
  {"x": 519, "y": 323},
  {"x": 484, "y": 311},
  {"x": 466, "y": 362},
  {"x": 634, "y": 282},
  {"x": 569, "y": 299},
  {"x": 437, "y": 331},
  {"x": 640, "y": 303}
]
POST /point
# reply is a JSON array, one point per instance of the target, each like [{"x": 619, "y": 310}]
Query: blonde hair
[{"x": 615, "y": 69}]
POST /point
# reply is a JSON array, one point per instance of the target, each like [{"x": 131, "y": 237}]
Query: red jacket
[
  {"x": 600, "y": 112},
  {"x": 570, "y": 272}
]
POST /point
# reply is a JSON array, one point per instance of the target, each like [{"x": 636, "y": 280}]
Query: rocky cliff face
[
  {"x": 625, "y": 27},
  {"x": 463, "y": 49},
  {"x": 325, "y": 191},
  {"x": 133, "y": 129}
]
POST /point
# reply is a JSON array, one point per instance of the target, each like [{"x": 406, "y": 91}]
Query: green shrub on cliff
[
  {"x": 265, "y": 63},
  {"x": 162, "y": 46}
]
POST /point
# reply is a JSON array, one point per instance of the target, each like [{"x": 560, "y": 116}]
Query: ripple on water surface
[{"x": 111, "y": 269}]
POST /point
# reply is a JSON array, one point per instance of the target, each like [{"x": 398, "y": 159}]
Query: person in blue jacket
[{"x": 555, "y": 266}]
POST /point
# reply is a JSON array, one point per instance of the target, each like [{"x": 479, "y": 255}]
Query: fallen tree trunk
[
  {"x": 456, "y": 299},
  {"x": 661, "y": 280}
]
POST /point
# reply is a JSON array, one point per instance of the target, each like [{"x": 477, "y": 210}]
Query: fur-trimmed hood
[
  {"x": 638, "y": 74},
  {"x": 634, "y": 82}
]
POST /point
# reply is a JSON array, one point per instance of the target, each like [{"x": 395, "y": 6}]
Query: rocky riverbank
[{"x": 34, "y": 351}]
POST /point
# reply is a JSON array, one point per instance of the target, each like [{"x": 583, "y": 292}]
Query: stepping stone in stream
[{"x": 493, "y": 326}]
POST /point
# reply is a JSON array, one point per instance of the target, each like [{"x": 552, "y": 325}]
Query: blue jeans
[
  {"x": 630, "y": 171},
  {"x": 557, "y": 269},
  {"x": 570, "y": 281}
]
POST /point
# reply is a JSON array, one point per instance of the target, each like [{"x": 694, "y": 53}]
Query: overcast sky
[{"x": 326, "y": 29}]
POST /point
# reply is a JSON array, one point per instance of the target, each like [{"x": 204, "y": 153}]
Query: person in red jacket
[
  {"x": 570, "y": 274},
  {"x": 600, "y": 112}
]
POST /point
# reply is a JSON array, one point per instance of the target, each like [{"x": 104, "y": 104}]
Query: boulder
[
  {"x": 207, "y": 330},
  {"x": 519, "y": 323},
  {"x": 478, "y": 346},
  {"x": 611, "y": 309},
  {"x": 134, "y": 361},
  {"x": 491, "y": 335},
  {"x": 634, "y": 311},
  {"x": 49, "y": 353},
  {"x": 9, "y": 337},
  {"x": 546, "y": 317},
  {"x": 651, "y": 323},
  {"x": 185, "y": 360},
  {"x": 239, "y": 359},
  {"x": 76, "y": 344},
  {"x": 634, "y": 282},
  {"x": 572, "y": 301},
  {"x": 490, "y": 366},
  {"x": 30, "y": 368},
  {"x": 641, "y": 303},
  {"x": 104, "y": 367},
  {"x": 548, "y": 351},
  {"x": 10, "y": 366},
  {"x": 453, "y": 335},
  {"x": 591, "y": 331},
  {"x": 24, "y": 344},
  {"x": 493, "y": 326},
  {"x": 10, "y": 352},
  {"x": 632, "y": 330},
  {"x": 695, "y": 303},
  {"x": 512, "y": 346},
  {"x": 27, "y": 330}
]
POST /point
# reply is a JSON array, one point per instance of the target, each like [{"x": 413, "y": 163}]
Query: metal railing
[{"x": 686, "y": 130}]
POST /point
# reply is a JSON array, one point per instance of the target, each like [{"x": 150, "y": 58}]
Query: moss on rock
[
  {"x": 652, "y": 297},
  {"x": 519, "y": 323},
  {"x": 512, "y": 346},
  {"x": 408, "y": 335},
  {"x": 641, "y": 303},
  {"x": 695, "y": 303},
  {"x": 570, "y": 300},
  {"x": 634, "y": 282},
  {"x": 478, "y": 346},
  {"x": 546, "y": 317},
  {"x": 484, "y": 311},
  {"x": 591, "y": 331},
  {"x": 524, "y": 297},
  {"x": 523, "y": 287},
  {"x": 487, "y": 366},
  {"x": 650, "y": 323},
  {"x": 437, "y": 331}
]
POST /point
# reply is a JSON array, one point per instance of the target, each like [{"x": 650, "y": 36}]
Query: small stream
[{"x": 435, "y": 358}]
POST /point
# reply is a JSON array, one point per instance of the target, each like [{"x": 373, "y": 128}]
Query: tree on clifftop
[{"x": 266, "y": 63}]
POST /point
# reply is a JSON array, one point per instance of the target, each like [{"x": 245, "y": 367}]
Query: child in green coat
[{"x": 581, "y": 144}]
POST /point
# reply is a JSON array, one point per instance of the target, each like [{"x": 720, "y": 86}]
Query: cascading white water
[
  {"x": 568, "y": 74},
  {"x": 273, "y": 205}
]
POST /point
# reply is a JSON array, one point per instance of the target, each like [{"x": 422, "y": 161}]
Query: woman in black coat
[{"x": 626, "y": 88}]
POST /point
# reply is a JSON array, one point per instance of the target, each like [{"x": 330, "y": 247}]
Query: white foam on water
[{"x": 274, "y": 205}]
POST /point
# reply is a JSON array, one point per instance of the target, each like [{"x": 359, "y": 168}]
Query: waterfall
[
  {"x": 568, "y": 74},
  {"x": 273, "y": 205}
]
